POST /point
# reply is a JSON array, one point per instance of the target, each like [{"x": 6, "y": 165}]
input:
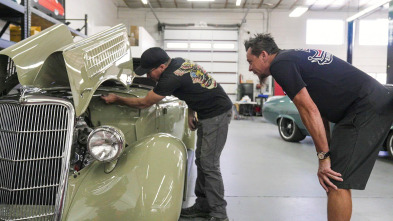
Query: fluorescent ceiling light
[
  {"x": 367, "y": 10},
  {"x": 200, "y": 0},
  {"x": 144, "y": 2},
  {"x": 298, "y": 11},
  {"x": 238, "y": 2}
]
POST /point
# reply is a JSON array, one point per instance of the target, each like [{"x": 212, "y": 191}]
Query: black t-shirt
[
  {"x": 333, "y": 84},
  {"x": 189, "y": 82}
]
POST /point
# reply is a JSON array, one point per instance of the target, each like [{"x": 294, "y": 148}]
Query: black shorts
[{"x": 356, "y": 141}]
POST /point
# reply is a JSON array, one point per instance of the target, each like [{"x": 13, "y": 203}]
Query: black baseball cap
[{"x": 151, "y": 58}]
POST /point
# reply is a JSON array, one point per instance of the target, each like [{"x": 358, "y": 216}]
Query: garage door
[{"x": 216, "y": 50}]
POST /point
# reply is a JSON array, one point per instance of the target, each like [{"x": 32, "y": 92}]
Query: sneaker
[
  {"x": 212, "y": 218},
  {"x": 193, "y": 211}
]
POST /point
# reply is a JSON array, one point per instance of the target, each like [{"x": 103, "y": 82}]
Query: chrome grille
[
  {"x": 101, "y": 56},
  {"x": 34, "y": 146},
  {"x": 11, "y": 69}
]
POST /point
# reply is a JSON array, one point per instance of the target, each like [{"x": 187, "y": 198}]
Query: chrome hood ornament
[{"x": 24, "y": 90}]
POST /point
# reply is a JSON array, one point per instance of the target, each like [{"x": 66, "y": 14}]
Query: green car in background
[
  {"x": 65, "y": 154},
  {"x": 281, "y": 111}
]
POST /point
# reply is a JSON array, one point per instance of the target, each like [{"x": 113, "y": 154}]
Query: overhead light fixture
[
  {"x": 298, "y": 11},
  {"x": 238, "y": 2},
  {"x": 367, "y": 10},
  {"x": 144, "y": 2},
  {"x": 200, "y": 0}
]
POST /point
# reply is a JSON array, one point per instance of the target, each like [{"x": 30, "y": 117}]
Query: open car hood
[
  {"x": 50, "y": 59},
  {"x": 21, "y": 62}
]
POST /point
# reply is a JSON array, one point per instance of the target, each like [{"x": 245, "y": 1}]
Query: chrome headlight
[{"x": 105, "y": 143}]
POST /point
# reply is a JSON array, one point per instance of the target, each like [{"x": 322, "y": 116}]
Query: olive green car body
[{"x": 147, "y": 182}]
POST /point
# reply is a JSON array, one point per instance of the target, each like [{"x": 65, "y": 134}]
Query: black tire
[
  {"x": 289, "y": 131},
  {"x": 389, "y": 143}
]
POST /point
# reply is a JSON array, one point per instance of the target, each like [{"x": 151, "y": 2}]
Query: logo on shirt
[
  {"x": 322, "y": 57},
  {"x": 197, "y": 73}
]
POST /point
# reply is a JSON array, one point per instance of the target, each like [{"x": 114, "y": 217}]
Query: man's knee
[
  {"x": 338, "y": 193},
  {"x": 208, "y": 164}
]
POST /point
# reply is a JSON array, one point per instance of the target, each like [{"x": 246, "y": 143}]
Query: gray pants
[{"x": 209, "y": 186}]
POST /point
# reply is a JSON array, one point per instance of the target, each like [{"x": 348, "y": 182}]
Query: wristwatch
[{"x": 323, "y": 155}]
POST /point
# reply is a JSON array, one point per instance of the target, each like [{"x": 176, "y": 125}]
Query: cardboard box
[
  {"x": 134, "y": 35},
  {"x": 15, "y": 32}
]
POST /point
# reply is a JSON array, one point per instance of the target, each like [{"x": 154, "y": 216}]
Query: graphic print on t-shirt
[
  {"x": 322, "y": 57},
  {"x": 197, "y": 73}
]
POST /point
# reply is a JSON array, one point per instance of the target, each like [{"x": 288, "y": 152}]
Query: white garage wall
[
  {"x": 100, "y": 13},
  {"x": 288, "y": 32}
]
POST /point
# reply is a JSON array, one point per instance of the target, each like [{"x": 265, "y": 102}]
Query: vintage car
[
  {"x": 281, "y": 111},
  {"x": 67, "y": 155}
]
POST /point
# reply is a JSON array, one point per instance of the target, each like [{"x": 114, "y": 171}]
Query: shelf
[
  {"x": 8, "y": 7},
  {"x": 14, "y": 13},
  {"x": 5, "y": 43},
  {"x": 11, "y": 11},
  {"x": 39, "y": 18}
]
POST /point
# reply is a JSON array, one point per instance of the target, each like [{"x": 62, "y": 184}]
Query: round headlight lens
[{"x": 105, "y": 143}]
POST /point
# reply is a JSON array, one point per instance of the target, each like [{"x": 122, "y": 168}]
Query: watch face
[{"x": 321, "y": 156}]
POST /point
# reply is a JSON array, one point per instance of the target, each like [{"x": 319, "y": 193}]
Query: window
[
  {"x": 373, "y": 32},
  {"x": 380, "y": 77},
  {"x": 177, "y": 45},
  {"x": 325, "y": 32},
  {"x": 201, "y": 45}
]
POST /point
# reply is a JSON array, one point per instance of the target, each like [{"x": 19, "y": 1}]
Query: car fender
[
  {"x": 189, "y": 138},
  {"x": 284, "y": 116},
  {"x": 298, "y": 122},
  {"x": 147, "y": 183}
]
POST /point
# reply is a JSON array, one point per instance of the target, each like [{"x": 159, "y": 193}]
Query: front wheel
[
  {"x": 289, "y": 131},
  {"x": 389, "y": 143}
]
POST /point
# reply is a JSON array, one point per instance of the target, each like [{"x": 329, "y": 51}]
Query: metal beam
[
  {"x": 367, "y": 11},
  {"x": 154, "y": 13},
  {"x": 244, "y": 4},
  {"x": 389, "y": 64},
  {"x": 5, "y": 28},
  {"x": 293, "y": 5},
  {"x": 278, "y": 3},
  {"x": 351, "y": 34},
  {"x": 159, "y": 3},
  {"x": 260, "y": 3}
]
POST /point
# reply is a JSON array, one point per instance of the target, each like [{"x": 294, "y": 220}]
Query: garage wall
[
  {"x": 100, "y": 13},
  {"x": 288, "y": 32}
]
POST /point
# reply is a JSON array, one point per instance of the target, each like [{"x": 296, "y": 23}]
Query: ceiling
[{"x": 313, "y": 5}]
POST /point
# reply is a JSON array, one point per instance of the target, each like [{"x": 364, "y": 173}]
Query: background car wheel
[
  {"x": 389, "y": 143},
  {"x": 289, "y": 131},
  {"x": 56, "y": 12}
]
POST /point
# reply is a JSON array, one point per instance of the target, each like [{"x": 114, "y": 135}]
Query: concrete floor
[{"x": 269, "y": 179}]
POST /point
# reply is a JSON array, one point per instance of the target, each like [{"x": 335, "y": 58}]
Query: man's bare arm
[
  {"x": 312, "y": 119},
  {"x": 150, "y": 99}
]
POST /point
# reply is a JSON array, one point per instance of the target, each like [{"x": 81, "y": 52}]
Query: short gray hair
[{"x": 261, "y": 42}]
